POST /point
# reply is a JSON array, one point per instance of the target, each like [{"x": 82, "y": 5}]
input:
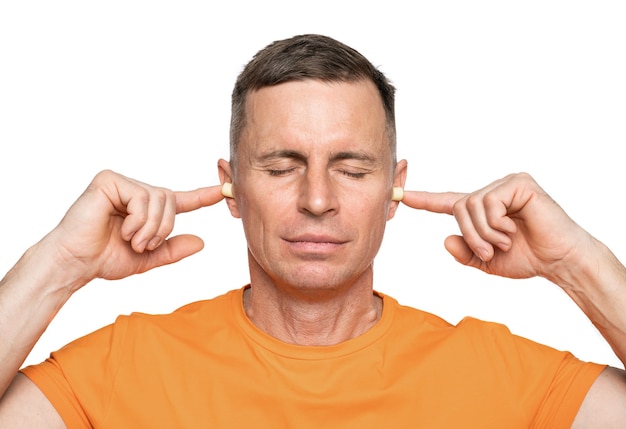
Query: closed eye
[
  {"x": 280, "y": 172},
  {"x": 354, "y": 175}
]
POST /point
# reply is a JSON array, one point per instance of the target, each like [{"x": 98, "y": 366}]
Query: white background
[{"x": 485, "y": 88}]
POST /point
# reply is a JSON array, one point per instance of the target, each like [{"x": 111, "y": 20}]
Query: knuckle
[
  {"x": 474, "y": 201},
  {"x": 491, "y": 199},
  {"x": 142, "y": 195},
  {"x": 160, "y": 196},
  {"x": 140, "y": 216},
  {"x": 102, "y": 177}
]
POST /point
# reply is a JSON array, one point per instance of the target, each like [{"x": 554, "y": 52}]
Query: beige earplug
[
  {"x": 397, "y": 194},
  {"x": 227, "y": 190}
]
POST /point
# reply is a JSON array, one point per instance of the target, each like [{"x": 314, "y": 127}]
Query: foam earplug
[
  {"x": 397, "y": 194},
  {"x": 227, "y": 190}
]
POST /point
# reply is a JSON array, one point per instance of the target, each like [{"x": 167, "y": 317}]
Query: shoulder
[
  {"x": 476, "y": 339},
  {"x": 404, "y": 313},
  {"x": 204, "y": 313},
  {"x": 469, "y": 327}
]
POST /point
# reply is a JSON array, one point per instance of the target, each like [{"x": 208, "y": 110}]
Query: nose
[{"x": 317, "y": 194}]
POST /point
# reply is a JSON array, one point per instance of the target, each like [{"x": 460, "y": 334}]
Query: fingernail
[
  {"x": 482, "y": 254},
  {"x": 154, "y": 243}
]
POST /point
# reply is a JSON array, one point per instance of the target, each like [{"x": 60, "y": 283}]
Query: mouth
[
  {"x": 314, "y": 244},
  {"x": 315, "y": 238}
]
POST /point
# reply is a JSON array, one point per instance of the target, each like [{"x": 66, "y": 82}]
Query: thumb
[
  {"x": 173, "y": 250},
  {"x": 458, "y": 248}
]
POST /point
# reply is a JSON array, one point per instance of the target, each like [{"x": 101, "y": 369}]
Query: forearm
[
  {"x": 597, "y": 283},
  {"x": 31, "y": 294}
]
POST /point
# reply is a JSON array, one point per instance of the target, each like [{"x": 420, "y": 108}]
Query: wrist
[
  {"x": 590, "y": 273},
  {"x": 45, "y": 270}
]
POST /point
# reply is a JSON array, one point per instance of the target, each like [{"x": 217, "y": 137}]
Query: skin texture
[{"x": 313, "y": 187}]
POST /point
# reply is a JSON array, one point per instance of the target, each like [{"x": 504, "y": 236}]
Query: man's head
[
  {"x": 313, "y": 164},
  {"x": 303, "y": 57}
]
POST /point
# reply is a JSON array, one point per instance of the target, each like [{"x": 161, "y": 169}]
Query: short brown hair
[{"x": 308, "y": 56}]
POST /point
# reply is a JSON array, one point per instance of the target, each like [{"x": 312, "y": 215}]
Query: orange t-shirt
[{"x": 207, "y": 366}]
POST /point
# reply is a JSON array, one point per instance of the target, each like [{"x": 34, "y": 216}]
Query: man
[{"x": 314, "y": 178}]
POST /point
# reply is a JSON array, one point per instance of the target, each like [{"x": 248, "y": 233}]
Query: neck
[{"x": 327, "y": 318}]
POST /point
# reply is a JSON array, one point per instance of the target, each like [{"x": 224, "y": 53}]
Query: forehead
[{"x": 315, "y": 115}]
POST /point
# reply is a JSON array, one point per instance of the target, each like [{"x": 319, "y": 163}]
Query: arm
[
  {"x": 24, "y": 405},
  {"x": 117, "y": 228},
  {"x": 512, "y": 228}
]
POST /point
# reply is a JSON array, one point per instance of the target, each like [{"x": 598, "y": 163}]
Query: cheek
[
  {"x": 372, "y": 215},
  {"x": 372, "y": 204},
  {"x": 263, "y": 211}
]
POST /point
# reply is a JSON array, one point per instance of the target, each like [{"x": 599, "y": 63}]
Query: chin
[{"x": 319, "y": 281}]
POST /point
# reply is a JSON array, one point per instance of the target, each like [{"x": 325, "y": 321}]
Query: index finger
[
  {"x": 435, "y": 202},
  {"x": 187, "y": 201}
]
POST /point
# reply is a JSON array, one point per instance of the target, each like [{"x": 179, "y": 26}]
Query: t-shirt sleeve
[
  {"x": 567, "y": 392},
  {"x": 549, "y": 383},
  {"x": 86, "y": 365}
]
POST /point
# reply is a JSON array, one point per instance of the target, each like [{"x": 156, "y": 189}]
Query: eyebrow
[
  {"x": 356, "y": 155},
  {"x": 278, "y": 154}
]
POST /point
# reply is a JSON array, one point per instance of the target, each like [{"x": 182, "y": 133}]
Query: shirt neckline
[{"x": 296, "y": 351}]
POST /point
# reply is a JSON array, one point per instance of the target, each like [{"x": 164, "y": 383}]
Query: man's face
[{"x": 313, "y": 183}]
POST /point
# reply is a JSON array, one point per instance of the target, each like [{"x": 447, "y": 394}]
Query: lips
[
  {"x": 314, "y": 238},
  {"x": 315, "y": 244}
]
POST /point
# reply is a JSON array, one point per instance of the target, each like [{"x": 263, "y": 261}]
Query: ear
[
  {"x": 226, "y": 176},
  {"x": 399, "y": 178}
]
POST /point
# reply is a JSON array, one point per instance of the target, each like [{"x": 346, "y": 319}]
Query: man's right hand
[{"x": 119, "y": 227}]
